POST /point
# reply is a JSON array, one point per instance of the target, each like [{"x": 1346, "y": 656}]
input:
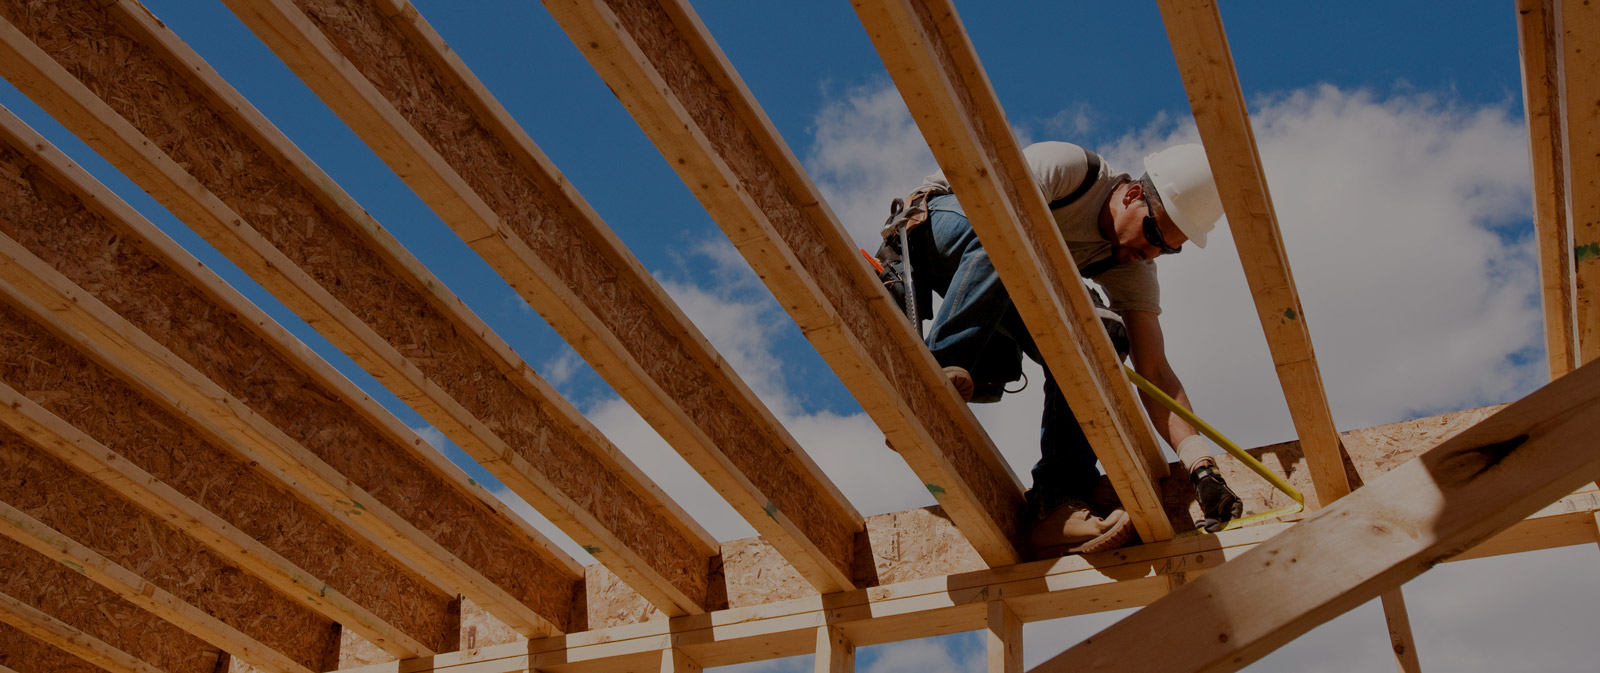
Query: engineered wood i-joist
[
  {"x": 55, "y": 605},
  {"x": 20, "y": 622},
  {"x": 388, "y": 73},
  {"x": 1578, "y": 22},
  {"x": 22, "y": 653},
  {"x": 1428, "y": 510},
  {"x": 680, "y": 88},
  {"x": 1541, "y": 99},
  {"x": 934, "y": 65},
  {"x": 1206, "y": 65},
  {"x": 154, "y": 566},
  {"x": 217, "y": 163}
]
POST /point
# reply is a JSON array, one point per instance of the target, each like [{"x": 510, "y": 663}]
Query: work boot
[
  {"x": 961, "y": 380},
  {"x": 1072, "y": 529}
]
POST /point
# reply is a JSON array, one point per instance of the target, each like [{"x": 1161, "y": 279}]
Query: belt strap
[{"x": 1089, "y": 179}]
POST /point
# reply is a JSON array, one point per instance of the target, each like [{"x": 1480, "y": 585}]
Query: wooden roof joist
[
  {"x": 1540, "y": 49},
  {"x": 1428, "y": 510},
  {"x": 50, "y": 603},
  {"x": 61, "y": 215},
  {"x": 675, "y": 81},
  {"x": 1577, "y": 24},
  {"x": 936, "y": 69},
  {"x": 284, "y": 222},
  {"x": 22, "y": 653},
  {"x": 383, "y": 68}
]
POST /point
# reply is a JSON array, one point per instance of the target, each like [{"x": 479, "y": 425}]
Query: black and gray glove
[{"x": 1218, "y": 503}]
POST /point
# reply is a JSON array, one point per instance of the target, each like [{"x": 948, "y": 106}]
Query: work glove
[{"x": 1218, "y": 503}]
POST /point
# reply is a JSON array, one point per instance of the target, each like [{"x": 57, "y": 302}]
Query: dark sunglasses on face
[{"x": 1152, "y": 230}]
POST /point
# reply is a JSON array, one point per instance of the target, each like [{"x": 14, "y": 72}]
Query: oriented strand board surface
[
  {"x": 68, "y": 385},
  {"x": 599, "y": 273},
  {"x": 68, "y": 596},
  {"x": 69, "y": 502},
  {"x": 21, "y": 653},
  {"x": 185, "y": 123}
]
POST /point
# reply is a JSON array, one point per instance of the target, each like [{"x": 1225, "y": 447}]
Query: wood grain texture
[
  {"x": 22, "y": 653},
  {"x": 1448, "y": 500},
  {"x": 1578, "y": 24},
  {"x": 670, "y": 74},
  {"x": 936, "y": 69},
  {"x": 1206, "y": 65},
  {"x": 835, "y": 652},
  {"x": 1541, "y": 101},
  {"x": 1398, "y": 620},
  {"x": 1003, "y": 639},
  {"x": 380, "y": 65}
]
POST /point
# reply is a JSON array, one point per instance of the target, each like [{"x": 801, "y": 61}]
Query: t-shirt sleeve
[
  {"x": 1058, "y": 167},
  {"x": 1132, "y": 287}
]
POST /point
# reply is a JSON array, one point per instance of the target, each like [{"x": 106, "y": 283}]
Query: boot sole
[{"x": 1120, "y": 534}]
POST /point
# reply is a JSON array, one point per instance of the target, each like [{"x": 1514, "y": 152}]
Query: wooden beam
[
  {"x": 1206, "y": 64},
  {"x": 1578, "y": 24},
  {"x": 47, "y": 629},
  {"x": 670, "y": 74},
  {"x": 392, "y": 78},
  {"x": 129, "y": 586},
  {"x": 937, "y": 71},
  {"x": 1541, "y": 100},
  {"x": 835, "y": 652},
  {"x": 1003, "y": 634},
  {"x": 1400, "y": 640},
  {"x": 22, "y": 653},
  {"x": 149, "y": 279},
  {"x": 1456, "y": 495},
  {"x": 673, "y": 660},
  {"x": 352, "y": 281}
]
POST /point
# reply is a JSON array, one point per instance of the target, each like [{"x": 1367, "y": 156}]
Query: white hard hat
[{"x": 1182, "y": 179}]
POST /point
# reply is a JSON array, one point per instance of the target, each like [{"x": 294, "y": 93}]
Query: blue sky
[{"x": 1391, "y": 139}]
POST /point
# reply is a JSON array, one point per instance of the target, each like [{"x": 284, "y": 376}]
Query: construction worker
[{"x": 1115, "y": 227}]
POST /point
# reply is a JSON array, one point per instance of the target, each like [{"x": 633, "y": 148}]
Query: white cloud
[
  {"x": 559, "y": 369},
  {"x": 433, "y": 437}
]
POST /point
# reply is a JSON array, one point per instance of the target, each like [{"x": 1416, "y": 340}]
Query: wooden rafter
[
  {"x": 661, "y": 62},
  {"x": 1577, "y": 23},
  {"x": 936, "y": 69},
  {"x": 48, "y": 630},
  {"x": 480, "y": 394},
  {"x": 1541, "y": 98},
  {"x": 1428, "y": 510},
  {"x": 384, "y": 69},
  {"x": 134, "y": 589},
  {"x": 22, "y": 653},
  {"x": 153, "y": 279}
]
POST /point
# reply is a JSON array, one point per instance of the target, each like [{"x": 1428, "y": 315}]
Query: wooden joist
[
  {"x": 934, "y": 65},
  {"x": 22, "y": 653},
  {"x": 1206, "y": 65},
  {"x": 1541, "y": 99},
  {"x": 56, "y": 212},
  {"x": 1400, "y": 639},
  {"x": 1577, "y": 23},
  {"x": 50, "y": 606},
  {"x": 663, "y": 65},
  {"x": 835, "y": 652},
  {"x": 1451, "y": 498},
  {"x": 390, "y": 76},
  {"x": 1003, "y": 638},
  {"x": 215, "y": 161}
]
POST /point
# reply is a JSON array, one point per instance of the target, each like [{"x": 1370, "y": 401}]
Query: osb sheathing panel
[
  {"x": 65, "y": 594},
  {"x": 355, "y": 651},
  {"x": 164, "y": 105},
  {"x": 67, "y": 384},
  {"x": 48, "y": 490},
  {"x": 597, "y": 271},
  {"x": 156, "y": 99},
  {"x": 21, "y": 653},
  {"x": 806, "y": 233},
  {"x": 480, "y": 629}
]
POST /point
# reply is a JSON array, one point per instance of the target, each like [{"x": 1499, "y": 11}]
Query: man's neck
[{"x": 1107, "y": 222}]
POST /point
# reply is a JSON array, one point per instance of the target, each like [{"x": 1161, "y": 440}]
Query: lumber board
[
  {"x": 674, "y": 660},
  {"x": 391, "y": 77},
  {"x": 1400, "y": 640},
  {"x": 1449, "y": 499},
  {"x": 936, "y": 69},
  {"x": 22, "y": 653},
  {"x": 672, "y": 77},
  {"x": 88, "y": 621},
  {"x": 1003, "y": 639},
  {"x": 286, "y": 223},
  {"x": 126, "y": 585},
  {"x": 1541, "y": 101},
  {"x": 1206, "y": 66},
  {"x": 1578, "y": 23},
  {"x": 835, "y": 652}
]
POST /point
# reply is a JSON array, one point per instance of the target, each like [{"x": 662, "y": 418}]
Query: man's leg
[{"x": 974, "y": 300}]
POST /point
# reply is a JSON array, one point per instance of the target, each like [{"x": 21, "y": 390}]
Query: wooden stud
[
  {"x": 40, "y": 625},
  {"x": 1004, "y": 637},
  {"x": 1578, "y": 25},
  {"x": 674, "y": 660},
  {"x": 835, "y": 652},
  {"x": 1454, "y": 496},
  {"x": 130, "y": 587},
  {"x": 1541, "y": 98},
  {"x": 1405, "y": 647},
  {"x": 482, "y": 395},
  {"x": 661, "y": 62},
  {"x": 1206, "y": 64},
  {"x": 937, "y": 71},
  {"x": 549, "y": 244}
]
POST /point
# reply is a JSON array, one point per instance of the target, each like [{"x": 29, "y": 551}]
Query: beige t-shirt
[{"x": 1059, "y": 168}]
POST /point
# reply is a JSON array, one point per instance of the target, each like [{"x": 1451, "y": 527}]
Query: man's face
[{"x": 1131, "y": 242}]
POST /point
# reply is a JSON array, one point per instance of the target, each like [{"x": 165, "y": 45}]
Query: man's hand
[{"x": 1218, "y": 503}]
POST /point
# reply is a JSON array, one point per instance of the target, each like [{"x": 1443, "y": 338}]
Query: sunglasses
[{"x": 1152, "y": 230}]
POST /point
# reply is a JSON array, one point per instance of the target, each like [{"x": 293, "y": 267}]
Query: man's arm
[{"x": 1148, "y": 349}]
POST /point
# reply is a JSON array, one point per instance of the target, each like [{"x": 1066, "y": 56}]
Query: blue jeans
[{"x": 976, "y": 318}]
